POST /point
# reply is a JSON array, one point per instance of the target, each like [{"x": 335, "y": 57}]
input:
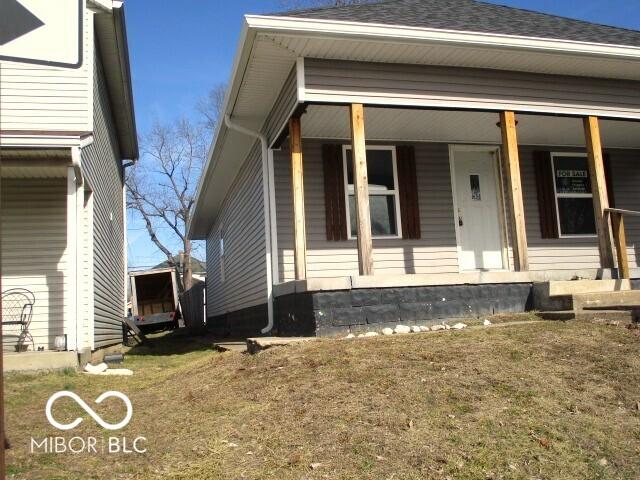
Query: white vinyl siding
[
  {"x": 44, "y": 98},
  {"x": 454, "y": 87},
  {"x": 282, "y": 108},
  {"x": 34, "y": 242},
  {"x": 102, "y": 169},
  {"x": 241, "y": 224}
]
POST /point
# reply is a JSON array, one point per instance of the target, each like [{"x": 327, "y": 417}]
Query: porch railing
[{"x": 620, "y": 239}]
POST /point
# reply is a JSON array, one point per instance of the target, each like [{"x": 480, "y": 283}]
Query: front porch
[
  {"x": 46, "y": 251},
  {"x": 426, "y": 252}
]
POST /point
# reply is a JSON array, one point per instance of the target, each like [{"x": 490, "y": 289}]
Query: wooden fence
[{"x": 193, "y": 307}]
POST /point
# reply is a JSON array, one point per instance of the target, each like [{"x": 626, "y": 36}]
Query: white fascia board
[
  {"x": 240, "y": 62},
  {"x": 372, "y": 31},
  {"x": 102, "y": 5},
  {"x": 122, "y": 45},
  {"x": 426, "y": 101},
  {"x": 44, "y": 141}
]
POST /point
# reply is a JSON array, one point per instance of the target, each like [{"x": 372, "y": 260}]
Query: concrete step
[
  {"x": 254, "y": 345},
  {"x": 571, "y": 295},
  {"x": 621, "y": 316},
  {"x": 573, "y": 287},
  {"x": 231, "y": 346},
  {"x": 605, "y": 300}
]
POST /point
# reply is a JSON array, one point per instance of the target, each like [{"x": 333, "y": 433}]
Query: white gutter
[
  {"x": 266, "y": 198},
  {"x": 373, "y": 31}
]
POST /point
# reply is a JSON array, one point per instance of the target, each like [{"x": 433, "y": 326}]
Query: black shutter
[
  {"x": 334, "y": 195},
  {"x": 546, "y": 195},
  {"x": 608, "y": 176},
  {"x": 408, "y": 191}
]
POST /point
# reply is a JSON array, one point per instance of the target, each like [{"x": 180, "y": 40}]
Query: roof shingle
[{"x": 473, "y": 16}]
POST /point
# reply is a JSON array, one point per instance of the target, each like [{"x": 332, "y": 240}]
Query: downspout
[
  {"x": 267, "y": 208},
  {"x": 76, "y": 156},
  {"x": 76, "y": 165}
]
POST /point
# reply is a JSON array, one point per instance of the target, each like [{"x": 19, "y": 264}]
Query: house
[
  {"x": 412, "y": 160},
  {"x": 66, "y": 133}
]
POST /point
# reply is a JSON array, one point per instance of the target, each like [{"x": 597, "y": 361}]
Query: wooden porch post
[
  {"x": 599, "y": 190},
  {"x": 511, "y": 160},
  {"x": 361, "y": 190},
  {"x": 297, "y": 189}
]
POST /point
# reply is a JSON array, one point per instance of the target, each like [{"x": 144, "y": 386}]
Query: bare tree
[
  {"x": 161, "y": 186},
  {"x": 210, "y": 107}
]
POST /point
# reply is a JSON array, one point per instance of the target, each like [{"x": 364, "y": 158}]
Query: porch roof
[
  {"x": 473, "y": 16},
  {"x": 270, "y": 45},
  {"x": 450, "y": 126}
]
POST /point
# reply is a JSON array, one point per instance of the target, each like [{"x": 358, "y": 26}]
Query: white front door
[{"x": 477, "y": 209}]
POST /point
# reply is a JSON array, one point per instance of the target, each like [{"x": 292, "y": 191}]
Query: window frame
[
  {"x": 557, "y": 195},
  {"x": 395, "y": 192}
]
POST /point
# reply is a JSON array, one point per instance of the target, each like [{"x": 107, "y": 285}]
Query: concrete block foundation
[{"x": 329, "y": 313}]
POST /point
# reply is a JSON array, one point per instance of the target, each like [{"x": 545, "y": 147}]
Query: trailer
[{"x": 154, "y": 299}]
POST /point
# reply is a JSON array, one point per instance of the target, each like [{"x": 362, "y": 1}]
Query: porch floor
[
  {"x": 29, "y": 361},
  {"x": 425, "y": 280}
]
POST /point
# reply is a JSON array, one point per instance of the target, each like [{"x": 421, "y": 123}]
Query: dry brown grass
[{"x": 533, "y": 401}]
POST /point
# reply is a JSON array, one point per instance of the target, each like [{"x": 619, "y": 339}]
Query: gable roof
[{"x": 472, "y": 16}]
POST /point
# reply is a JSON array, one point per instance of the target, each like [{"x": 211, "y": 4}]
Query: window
[
  {"x": 384, "y": 203},
  {"x": 474, "y": 181},
  {"x": 574, "y": 200}
]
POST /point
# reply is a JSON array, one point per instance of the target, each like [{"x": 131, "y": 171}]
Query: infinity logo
[{"x": 89, "y": 410}]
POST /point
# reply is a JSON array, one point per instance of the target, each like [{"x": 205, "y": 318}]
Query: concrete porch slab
[
  {"x": 33, "y": 361},
  {"x": 443, "y": 279}
]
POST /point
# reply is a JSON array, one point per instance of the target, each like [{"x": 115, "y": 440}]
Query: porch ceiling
[
  {"x": 387, "y": 124},
  {"x": 34, "y": 163}
]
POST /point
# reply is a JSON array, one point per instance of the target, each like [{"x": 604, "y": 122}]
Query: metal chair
[{"x": 17, "y": 310}]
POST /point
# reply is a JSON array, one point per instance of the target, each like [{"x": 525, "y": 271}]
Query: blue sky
[{"x": 180, "y": 50}]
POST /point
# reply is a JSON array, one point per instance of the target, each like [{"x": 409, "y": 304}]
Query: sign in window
[{"x": 574, "y": 200}]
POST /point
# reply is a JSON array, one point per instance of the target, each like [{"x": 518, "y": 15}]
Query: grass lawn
[{"x": 532, "y": 401}]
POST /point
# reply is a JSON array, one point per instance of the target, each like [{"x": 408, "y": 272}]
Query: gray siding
[
  {"x": 103, "y": 171},
  {"x": 626, "y": 182},
  {"x": 241, "y": 225},
  {"x": 451, "y": 87},
  {"x": 579, "y": 253},
  {"x": 282, "y": 108},
  {"x": 34, "y": 243},
  {"x": 436, "y": 252}
]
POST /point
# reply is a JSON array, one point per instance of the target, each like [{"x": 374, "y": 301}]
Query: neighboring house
[
  {"x": 65, "y": 135},
  {"x": 482, "y": 128},
  {"x": 198, "y": 266}
]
